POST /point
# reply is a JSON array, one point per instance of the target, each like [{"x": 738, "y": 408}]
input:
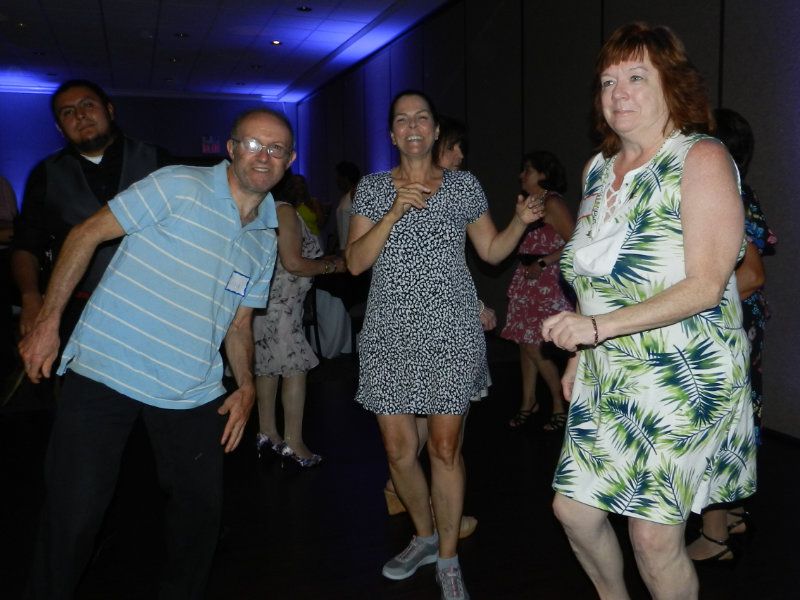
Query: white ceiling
[{"x": 195, "y": 47}]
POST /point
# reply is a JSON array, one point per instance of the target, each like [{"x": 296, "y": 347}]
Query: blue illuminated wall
[{"x": 28, "y": 134}]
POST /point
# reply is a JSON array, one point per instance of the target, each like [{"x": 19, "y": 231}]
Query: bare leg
[
  {"x": 401, "y": 443},
  {"x": 715, "y": 526},
  {"x": 528, "y": 404},
  {"x": 266, "y": 390},
  {"x": 448, "y": 476},
  {"x": 422, "y": 435},
  {"x": 293, "y": 398},
  {"x": 549, "y": 372},
  {"x": 663, "y": 562},
  {"x": 595, "y": 544}
]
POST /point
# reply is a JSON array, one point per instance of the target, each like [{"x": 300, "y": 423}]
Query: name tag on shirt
[{"x": 237, "y": 283}]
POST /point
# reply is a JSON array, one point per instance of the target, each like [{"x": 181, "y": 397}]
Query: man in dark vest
[{"x": 68, "y": 187}]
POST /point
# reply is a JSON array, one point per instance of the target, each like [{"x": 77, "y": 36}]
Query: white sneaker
[
  {"x": 416, "y": 554},
  {"x": 451, "y": 582}
]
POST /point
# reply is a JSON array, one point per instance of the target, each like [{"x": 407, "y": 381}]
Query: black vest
[{"x": 70, "y": 201}]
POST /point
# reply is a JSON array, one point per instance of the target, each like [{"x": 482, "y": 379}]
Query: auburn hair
[{"x": 681, "y": 83}]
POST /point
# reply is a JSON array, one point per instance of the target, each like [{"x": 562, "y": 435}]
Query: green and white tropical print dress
[{"x": 660, "y": 422}]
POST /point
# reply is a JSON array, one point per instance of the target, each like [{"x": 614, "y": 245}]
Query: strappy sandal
[
  {"x": 557, "y": 422},
  {"x": 741, "y": 519},
  {"x": 522, "y": 416},
  {"x": 725, "y": 557}
]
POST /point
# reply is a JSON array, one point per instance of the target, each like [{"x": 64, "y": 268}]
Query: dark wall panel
[
  {"x": 762, "y": 81},
  {"x": 494, "y": 114},
  {"x": 557, "y": 83},
  {"x": 443, "y": 47},
  {"x": 377, "y": 95}
]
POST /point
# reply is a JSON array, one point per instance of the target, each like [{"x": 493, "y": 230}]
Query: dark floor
[{"x": 324, "y": 533}]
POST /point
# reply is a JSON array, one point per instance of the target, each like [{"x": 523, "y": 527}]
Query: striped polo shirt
[{"x": 152, "y": 329}]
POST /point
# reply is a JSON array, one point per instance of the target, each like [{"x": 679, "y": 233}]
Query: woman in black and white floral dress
[{"x": 422, "y": 349}]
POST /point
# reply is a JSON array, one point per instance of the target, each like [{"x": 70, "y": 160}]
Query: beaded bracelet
[{"x": 594, "y": 325}]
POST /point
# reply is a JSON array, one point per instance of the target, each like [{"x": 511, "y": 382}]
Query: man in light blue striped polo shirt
[{"x": 197, "y": 256}]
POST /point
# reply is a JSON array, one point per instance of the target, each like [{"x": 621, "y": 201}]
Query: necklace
[{"x": 609, "y": 203}]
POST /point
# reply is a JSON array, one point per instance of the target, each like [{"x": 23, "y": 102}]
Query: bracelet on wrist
[
  {"x": 481, "y": 307},
  {"x": 594, "y": 325}
]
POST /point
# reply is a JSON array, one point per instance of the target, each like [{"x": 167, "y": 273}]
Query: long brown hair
[{"x": 682, "y": 84}]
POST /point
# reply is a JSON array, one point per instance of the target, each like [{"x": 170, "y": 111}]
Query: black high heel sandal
[
  {"x": 556, "y": 422},
  {"x": 718, "y": 559},
  {"x": 742, "y": 518},
  {"x": 520, "y": 419}
]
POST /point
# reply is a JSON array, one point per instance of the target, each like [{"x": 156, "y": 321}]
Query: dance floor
[{"x": 324, "y": 533}]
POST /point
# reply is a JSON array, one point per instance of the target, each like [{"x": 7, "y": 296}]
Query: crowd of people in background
[{"x": 141, "y": 284}]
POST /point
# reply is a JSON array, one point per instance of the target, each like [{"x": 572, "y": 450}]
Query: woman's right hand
[
  {"x": 411, "y": 195},
  {"x": 568, "y": 379}
]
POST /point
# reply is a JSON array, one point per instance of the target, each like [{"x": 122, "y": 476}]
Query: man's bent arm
[
  {"x": 239, "y": 348},
  {"x": 40, "y": 346}
]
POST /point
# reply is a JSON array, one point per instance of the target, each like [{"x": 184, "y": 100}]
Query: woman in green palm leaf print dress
[{"x": 660, "y": 420}]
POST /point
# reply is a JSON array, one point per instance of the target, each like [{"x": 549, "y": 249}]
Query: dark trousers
[{"x": 91, "y": 429}]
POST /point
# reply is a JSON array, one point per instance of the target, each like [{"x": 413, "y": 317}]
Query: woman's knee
[
  {"x": 445, "y": 450},
  {"x": 574, "y": 515},
  {"x": 652, "y": 540}
]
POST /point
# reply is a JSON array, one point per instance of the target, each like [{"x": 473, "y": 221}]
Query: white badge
[{"x": 237, "y": 283}]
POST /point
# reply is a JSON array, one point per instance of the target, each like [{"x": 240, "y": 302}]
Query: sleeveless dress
[
  {"x": 281, "y": 347},
  {"x": 660, "y": 422},
  {"x": 422, "y": 349},
  {"x": 531, "y": 301}
]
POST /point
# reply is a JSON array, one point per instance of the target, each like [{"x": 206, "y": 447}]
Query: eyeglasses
[{"x": 254, "y": 147}]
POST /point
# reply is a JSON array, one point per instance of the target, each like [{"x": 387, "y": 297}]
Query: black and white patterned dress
[{"x": 422, "y": 348}]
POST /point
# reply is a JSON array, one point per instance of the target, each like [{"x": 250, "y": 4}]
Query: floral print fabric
[{"x": 660, "y": 422}]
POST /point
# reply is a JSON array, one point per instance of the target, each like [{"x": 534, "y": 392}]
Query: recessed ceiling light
[
  {"x": 181, "y": 34},
  {"x": 21, "y": 25},
  {"x": 174, "y": 60},
  {"x": 304, "y": 8},
  {"x": 276, "y": 42}
]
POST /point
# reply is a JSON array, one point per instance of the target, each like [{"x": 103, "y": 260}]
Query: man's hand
[
  {"x": 31, "y": 305},
  {"x": 39, "y": 348},
  {"x": 237, "y": 406}
]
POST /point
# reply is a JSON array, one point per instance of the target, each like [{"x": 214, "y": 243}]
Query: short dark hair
[
  {"x": 73, "y": 83},
  {"x": 349, "y": 171},
  {"x": 681, "y": 82},
  {"x": 734, "y": 131},
  {"x": 555, "y": 178},
  {"x": 412, "y": 92},
  {"x": 243, "y": 116},
  {"x": 451, "y": 132}
]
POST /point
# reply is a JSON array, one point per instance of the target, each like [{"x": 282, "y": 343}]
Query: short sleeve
[
  {"x": 476, "y": 203},
  {"x": 145, "y": 202},
  {"x": 371, "y": 197},
  {"x": 258, "y": 294}
]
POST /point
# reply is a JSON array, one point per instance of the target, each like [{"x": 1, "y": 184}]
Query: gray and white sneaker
[
  {"x": 416, "y": 554},
  {"x": 451, "y": 583}
]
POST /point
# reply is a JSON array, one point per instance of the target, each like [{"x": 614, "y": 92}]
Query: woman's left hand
[
  {"x": 529, "y": 209},
  {"x": 568, "y": 330},
  {"x": 488, "y": 318},
  {"x": 533, "y": 270}
]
